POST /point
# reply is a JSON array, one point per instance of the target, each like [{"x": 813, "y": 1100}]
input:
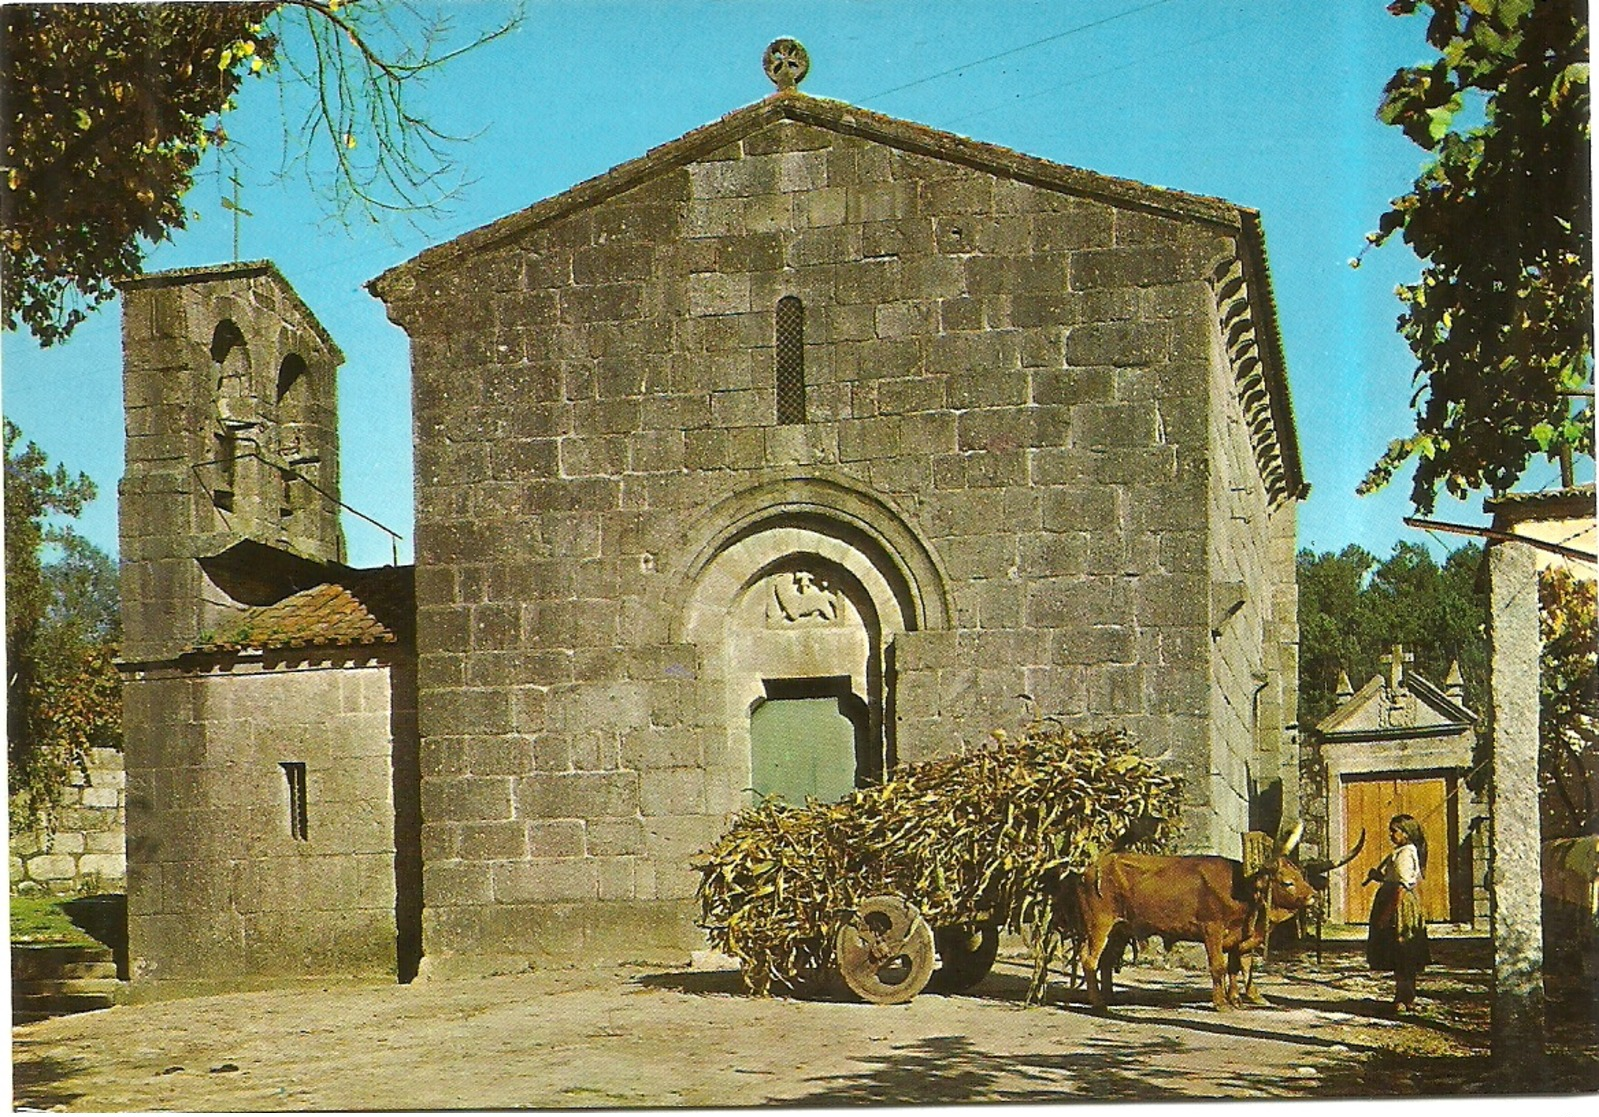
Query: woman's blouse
[{"x": 1403, "y": 866}]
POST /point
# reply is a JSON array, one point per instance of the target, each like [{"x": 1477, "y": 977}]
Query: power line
[
  {"x": 1502, "y": 537},
  {"x": 1144, "y": 60},
  {"x": 394, "y": 536},
  {"x": 1017, "y": 50}
]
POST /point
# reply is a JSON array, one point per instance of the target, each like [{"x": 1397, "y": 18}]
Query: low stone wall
[{"x": 85, "y": 854}]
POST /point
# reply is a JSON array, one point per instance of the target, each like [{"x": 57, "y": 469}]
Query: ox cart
[{"x": 906, "y": 885}]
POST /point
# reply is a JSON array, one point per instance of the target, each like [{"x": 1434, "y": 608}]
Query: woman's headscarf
[{"x": 1411, "y": 829}]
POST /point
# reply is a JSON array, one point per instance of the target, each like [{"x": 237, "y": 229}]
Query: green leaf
[
  {"x": 1440, "y": 118},
  {"x": 1493, "y": 321},
  {"x": 1512, "y": 12}
]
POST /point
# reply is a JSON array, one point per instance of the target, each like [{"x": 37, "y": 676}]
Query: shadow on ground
[
  {"x": 949, "y": 1070},
  {"x": 698, "y": 983},
  {"x": 38, "y": 1080},
  {"x": 829, "y": 988},
  {"x": 1400, "y": 1074},
  {"x": 1439, "y": 1051},
  {"x": 105, "y": 919}
]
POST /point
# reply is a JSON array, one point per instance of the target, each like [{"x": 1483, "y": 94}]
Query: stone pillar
[{"x": 1515, "y": 882}]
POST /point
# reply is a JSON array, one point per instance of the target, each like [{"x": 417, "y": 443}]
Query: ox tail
[{"x": 1070, "y": 920}]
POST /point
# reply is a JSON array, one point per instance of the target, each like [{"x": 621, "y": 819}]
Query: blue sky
[{"x": 1267, "y": 105}]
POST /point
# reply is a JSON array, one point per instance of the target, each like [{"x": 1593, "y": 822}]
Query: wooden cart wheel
[
  {"x": 885, "y": 951},
  {"x": 965, "y": 955}
]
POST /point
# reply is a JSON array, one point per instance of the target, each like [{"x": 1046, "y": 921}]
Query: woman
[{"x": 1397, "y": 940}]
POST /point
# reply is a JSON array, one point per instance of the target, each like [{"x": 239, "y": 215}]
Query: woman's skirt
[{"x": 1397, "y": 938}]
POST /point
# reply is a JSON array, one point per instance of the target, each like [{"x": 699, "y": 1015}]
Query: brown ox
[{"x": 1201, "y": 899}]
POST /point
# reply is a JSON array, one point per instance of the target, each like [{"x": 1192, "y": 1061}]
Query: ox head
[
  {"x": 1281, "y": 878},
  {"x": 1286, "y": 885},
  {"x": 1293, "y": 882}
]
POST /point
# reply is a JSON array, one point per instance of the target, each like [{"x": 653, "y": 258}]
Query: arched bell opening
[{"x": 230, "y": 360}]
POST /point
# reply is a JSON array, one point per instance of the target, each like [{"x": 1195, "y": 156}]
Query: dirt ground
[{"x": 649, "y": 1036}]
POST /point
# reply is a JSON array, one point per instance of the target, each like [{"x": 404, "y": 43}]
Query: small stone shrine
[{"x": 1400, "y": 745}]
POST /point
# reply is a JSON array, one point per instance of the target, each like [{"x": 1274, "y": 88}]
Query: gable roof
[
  {"x": 1573, "y": 502},
  {"x": 363, "y": 607},
  {"x": 247, "y": 269},
  {"x": 1262, "y": 337},
  {"x": 834, "y": 116},
  {"x": 1355, "y": 719}
]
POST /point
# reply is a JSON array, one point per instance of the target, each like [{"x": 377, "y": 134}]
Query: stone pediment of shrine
[{"x": 1399, "y": 702}]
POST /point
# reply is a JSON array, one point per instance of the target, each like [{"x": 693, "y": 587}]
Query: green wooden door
[{"x": 801, "y": 747}]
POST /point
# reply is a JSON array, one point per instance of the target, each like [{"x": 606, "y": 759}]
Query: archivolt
[{"x": 827, "y": 507}]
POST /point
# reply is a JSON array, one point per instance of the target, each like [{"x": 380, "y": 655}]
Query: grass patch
[{"x": 39, "y": 919}]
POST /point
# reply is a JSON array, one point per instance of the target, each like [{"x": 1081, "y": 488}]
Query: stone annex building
[{"x": 796, "y": 448}]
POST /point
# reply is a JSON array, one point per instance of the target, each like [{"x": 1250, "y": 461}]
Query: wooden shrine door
[{"x": 1369, "y": 802}]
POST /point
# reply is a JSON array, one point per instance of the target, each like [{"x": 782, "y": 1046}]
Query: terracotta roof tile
[{"x": 364, "y": 607}]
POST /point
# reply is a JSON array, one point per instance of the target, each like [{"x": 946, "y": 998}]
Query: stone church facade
[{"x": 801, "y": 446}]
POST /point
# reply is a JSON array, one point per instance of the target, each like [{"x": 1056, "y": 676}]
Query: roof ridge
[
  {"x": 840, "y": 116},
  {"x": 238, "y": 269},
  {"x": 1436, "y": 696}
]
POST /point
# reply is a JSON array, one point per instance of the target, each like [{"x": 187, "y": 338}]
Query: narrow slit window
[
  {"x": 227, "y": 470},
  {"x": 790, "y": 360},
  {"x": 285, "y": 496},
  {"x": 294, "y": 776}
]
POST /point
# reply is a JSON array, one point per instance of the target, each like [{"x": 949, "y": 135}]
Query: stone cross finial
[
  {"x": 786, "y": 63},
  {"x": 1395, "y": 661}
]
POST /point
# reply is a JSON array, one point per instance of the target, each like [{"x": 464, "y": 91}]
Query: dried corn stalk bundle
[{"x": 980, "y": 837}]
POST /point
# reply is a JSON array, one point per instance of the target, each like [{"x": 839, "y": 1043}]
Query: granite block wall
[
  {"x": 1011, "y": 426},
  {"x": 1253, "y": 629},
  {"x": 231, "y": 413},
  {"x": 84, "y": 852},
  {"x": 223, "y": 880}
]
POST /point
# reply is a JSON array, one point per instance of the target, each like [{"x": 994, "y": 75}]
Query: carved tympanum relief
[{"x": 800, "y": 597}]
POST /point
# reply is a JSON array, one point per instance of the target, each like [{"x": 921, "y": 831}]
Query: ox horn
[
  {"x": 1321, "y": 868},
  {"x": 1360, "y": 844},
  {"x": 1292, "y": 840}
]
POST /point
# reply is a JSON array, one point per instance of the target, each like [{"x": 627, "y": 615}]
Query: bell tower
[{"x": 231, "y": 407}]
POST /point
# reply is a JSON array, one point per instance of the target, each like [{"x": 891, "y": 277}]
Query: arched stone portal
[{"x": 795, "y": 609}]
